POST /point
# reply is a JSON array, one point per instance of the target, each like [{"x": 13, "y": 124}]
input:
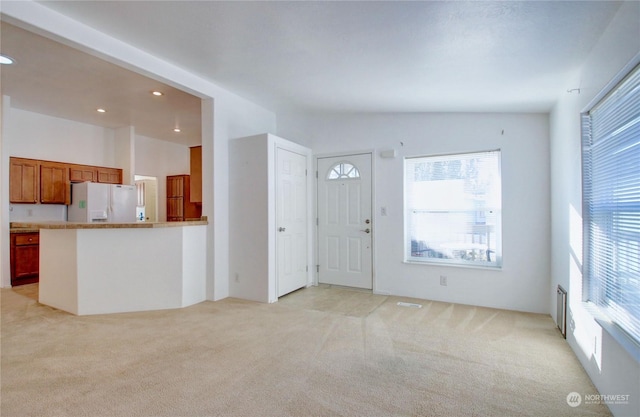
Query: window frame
[
  {"x": 338, "y": 168},
  {"x": 434, "y": 261},
  {"x": 605, "y": 316}
]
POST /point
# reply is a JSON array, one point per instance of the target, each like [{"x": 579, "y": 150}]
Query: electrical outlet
[
  {"x": 383, "y": 211},
  {"x": 443, "y": 280}
]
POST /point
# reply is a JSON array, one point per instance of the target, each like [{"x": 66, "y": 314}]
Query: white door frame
[{"x": 374, "y": 213}]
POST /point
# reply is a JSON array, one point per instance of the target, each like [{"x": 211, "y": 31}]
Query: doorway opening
[{"x": 147, "y": 207}]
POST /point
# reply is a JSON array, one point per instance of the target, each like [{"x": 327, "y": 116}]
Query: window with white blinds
[
  {"x": 611, "y": 204},
  {"x": 453, "y": 209}
]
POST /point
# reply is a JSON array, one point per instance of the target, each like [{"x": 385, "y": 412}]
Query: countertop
[
  {"x": 23, "y": 227},
  {"x": 23, "y": 230}
]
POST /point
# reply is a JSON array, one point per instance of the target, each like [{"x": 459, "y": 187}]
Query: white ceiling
[
  {"x": 421, "y": 56},
  {"x": 60, "y": 81}
]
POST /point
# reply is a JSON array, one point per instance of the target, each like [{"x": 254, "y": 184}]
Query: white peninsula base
[{"x": 113, "y": 270}]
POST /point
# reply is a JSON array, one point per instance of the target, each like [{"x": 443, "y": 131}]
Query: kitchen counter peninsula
[
  {"x": 99, "y": 268},
  {"x": 17, "y": 226}
]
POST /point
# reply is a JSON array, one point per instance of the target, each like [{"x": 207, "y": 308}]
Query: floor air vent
[
  {"x": 561, "y": 314},
  {"x": 413, "y": 305}
]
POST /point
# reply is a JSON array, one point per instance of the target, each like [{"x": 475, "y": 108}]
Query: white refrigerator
[{"x": 95, "y": 202}]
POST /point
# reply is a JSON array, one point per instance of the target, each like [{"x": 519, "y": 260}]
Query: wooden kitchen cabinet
[
  {"x": 175, "y": 198},
  {"x": 23, "y": 180},
  {"x": 82, "y": 173},
  {"x": 196, "y": 174},
  {"x": 54, "y": 183},
  {"x": 179, "y": 206},
  {"x": 35, "y": 181},
  {"x": 109, "y": 175},
  {"x": 25, "y": 258}
]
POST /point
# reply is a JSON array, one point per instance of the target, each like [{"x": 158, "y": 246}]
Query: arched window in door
[{"x": 343, "y": 170}]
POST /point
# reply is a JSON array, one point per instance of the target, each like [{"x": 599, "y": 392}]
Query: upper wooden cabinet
[
  {"x": 196, "y": 174},
  {"x": 23, "y": 178},
  {"x": 54, "y": 183},
  {"x": 82, "y": 173},
  {"x": 109, "y": 175},
  {"x": 35, "y": 181}
]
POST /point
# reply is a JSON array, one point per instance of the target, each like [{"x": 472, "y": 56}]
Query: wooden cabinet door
[
  {"x": 175, "y": 198},
  {"x": 196, "y": 174},
  {"x": 109, "y": 175},
  {"x": 179, "y": 206},
  {"x": 27, "y": 261},
  {"x": 23, "y": 178},
  {"x": 25, "y": 258},
  {"x": 82, "y": 173},
  {"x": 53, "y": 183},
  {"x": 175, "y": 186},
  {"x": 175, "y": 210}
]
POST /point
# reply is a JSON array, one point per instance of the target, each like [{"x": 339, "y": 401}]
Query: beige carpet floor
[{"x": 320, "y": 351}]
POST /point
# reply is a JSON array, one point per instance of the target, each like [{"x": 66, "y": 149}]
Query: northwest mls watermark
[{"x": 575, "y": 399}]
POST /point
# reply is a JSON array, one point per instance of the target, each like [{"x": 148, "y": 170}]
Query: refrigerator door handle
[{"x": 110, "y": 204}]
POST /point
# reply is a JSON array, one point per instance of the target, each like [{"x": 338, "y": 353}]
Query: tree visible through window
[{"x": 453, "y": 208}]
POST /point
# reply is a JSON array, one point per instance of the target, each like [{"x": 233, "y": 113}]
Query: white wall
[
  {"x": 38, "y": 136},
  {"x": 523, "y": 282},
  {"x": 610, "y": 367},
  {"x": 124, "y": 152},
  {"x": 229, "y": 117}
]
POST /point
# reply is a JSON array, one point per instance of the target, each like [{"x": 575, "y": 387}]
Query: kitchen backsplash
[{"x": 39, "y": 212}]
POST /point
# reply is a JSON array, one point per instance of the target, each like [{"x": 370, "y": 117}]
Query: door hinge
[
  {"x": 317, "y": 268},
  {"x": 305, "y": 173},
  {"x": 317, "y": 221},
  {"x": 307, "y": 268},
  {"x": 316, "y": 174}
]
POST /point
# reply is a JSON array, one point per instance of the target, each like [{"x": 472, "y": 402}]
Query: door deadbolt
[
  {"x": 281, "y": 229},
  {"x": 367, "y": 221}
]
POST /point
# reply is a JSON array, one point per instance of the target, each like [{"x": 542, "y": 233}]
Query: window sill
[
  {"x": 621, "y": 337},
  {"x": 452, "y": 265}
]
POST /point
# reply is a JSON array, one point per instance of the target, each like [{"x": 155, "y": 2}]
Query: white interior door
[
  {"x": 291, "y": 225},
  {"x": 344, "y": 221}
]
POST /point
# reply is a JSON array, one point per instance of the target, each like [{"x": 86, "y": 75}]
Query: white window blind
[
  {"x": 611, "y": 204},
  {"x": 453, "y": 209}
]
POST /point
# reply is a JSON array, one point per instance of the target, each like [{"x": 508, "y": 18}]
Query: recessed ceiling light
[
  {"x": 177, "y": 130},
  {"x": 157, "y": 93},
  {"x": 6, "y": 60},
  {"x": 101, "y": 110}
]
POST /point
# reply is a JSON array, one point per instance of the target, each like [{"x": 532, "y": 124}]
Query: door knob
[
  {"x": 367, "y": 230},
  {"x": 281, "y": 229}
]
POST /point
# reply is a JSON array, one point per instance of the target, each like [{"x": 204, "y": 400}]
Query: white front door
[
  {"x": 291, "y": 224},
  {"x": 345, "y": 225}
]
